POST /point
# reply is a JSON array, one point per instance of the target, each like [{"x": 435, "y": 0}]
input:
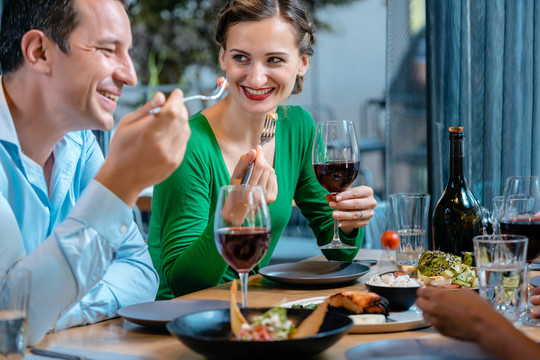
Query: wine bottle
[{"x": 457, "y": 217}]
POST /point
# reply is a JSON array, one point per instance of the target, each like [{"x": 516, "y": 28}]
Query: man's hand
[{"x": 146, "y": 148}]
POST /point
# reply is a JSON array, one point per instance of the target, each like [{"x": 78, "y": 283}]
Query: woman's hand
[
  {"x": 263, "y": 174},
  {"x": 353, "y": 207}
]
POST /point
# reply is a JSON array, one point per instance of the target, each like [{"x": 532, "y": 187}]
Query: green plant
[{"x": 171, "y": 35}]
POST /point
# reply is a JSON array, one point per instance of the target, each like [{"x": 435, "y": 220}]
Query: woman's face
[{"x": 261, "y": 62}]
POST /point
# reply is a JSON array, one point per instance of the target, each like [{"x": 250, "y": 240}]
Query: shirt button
[{"x": 123, "y": 229}]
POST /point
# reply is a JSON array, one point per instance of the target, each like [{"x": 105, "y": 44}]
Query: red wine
[
  {"x": 525, "y": 227},
  {"x": 243, "y": 247},
  {"x": 336, "y": 176}
]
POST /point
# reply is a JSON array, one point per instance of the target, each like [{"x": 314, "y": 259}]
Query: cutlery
[
  {"x": 56, "y": 354},
  {"x": 221, "y": 86},
  {"x": 268, "y": 134}
]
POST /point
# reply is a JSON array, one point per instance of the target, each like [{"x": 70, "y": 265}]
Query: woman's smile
[{"x": 257, "y": 94}]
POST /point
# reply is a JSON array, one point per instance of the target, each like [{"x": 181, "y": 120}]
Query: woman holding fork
[{"x": 265, "y": 49}]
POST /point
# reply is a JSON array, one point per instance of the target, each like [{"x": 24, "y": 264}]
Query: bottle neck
[{"x": 456, "y": 159}]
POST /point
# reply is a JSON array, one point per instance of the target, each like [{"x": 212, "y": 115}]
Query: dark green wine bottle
[{"x": 457, "y": 217}]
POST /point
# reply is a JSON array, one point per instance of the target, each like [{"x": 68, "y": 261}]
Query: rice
[{"x": 390, "y": 280}]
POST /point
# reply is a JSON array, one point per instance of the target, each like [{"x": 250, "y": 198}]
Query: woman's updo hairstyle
[{"x": 294, "y": 11}]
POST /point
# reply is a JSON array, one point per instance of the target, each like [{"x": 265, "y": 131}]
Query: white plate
[
  {"x": 403, "y": 320},
  {"x": 419, "y": 349}
]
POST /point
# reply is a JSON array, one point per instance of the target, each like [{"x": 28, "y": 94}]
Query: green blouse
[{"x": 181, "y": 236}]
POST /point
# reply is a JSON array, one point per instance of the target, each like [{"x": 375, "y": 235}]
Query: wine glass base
[{"x": 336, "y": 246}]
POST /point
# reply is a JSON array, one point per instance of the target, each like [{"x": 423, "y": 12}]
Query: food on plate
[
  {"x": 440, "y": 268},
  {"x": 393, "y": 279},
  {"x": 273, "y": 324},
  {"x": 310, "y": 306},
  {"x": 311, "y": 325},
  {"x": 368, "y": 319},
  {"x": 360, "y": 302},
  {"x": 390, "y": 240}
]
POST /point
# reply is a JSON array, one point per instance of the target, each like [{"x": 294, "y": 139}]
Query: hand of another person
[
  {"x": 263, "y": 174},
  {"x": 146, "y": 148},
  {"x": 535, "y": 300},
  {"x": 354, "y": 207},
  {"x": 462, "y": 313},
  {"x": 465, "y": 315}
]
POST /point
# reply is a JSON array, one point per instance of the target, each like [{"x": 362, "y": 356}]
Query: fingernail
[{"x": 338, "y": 197}]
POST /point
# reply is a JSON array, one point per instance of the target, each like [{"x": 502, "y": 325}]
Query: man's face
[{"x": 88, "y": 80}]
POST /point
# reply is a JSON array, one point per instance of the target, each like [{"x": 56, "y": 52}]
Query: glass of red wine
[
  {"x": 521, "y": 216},
  {"x": 242, "y": 229},
  {"x": 335, "y": 163}
]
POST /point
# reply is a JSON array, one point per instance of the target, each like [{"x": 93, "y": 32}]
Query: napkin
[{"x": 91, "y": 355}]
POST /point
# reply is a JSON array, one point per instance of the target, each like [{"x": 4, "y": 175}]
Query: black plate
[
  {"x": 209, "y": 333},
  {"x": 158, "y": 313},
  {"x": 314, "y": 272}
]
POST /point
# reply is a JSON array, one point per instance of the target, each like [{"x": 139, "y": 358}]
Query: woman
[{"x": 265, "y": 49}]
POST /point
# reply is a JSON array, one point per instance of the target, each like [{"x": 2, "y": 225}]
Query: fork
[
  {"x": 269, "y": 130},
  {"x": 221, "y": 86}
]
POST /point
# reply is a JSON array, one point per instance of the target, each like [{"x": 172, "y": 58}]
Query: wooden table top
[{"x": 121, "y": 336}]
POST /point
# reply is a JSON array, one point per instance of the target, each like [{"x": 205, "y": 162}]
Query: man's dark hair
[{"x": 56, "y": 18}]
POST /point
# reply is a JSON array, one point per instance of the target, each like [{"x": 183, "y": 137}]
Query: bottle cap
[{"x": 455, "y": 129}]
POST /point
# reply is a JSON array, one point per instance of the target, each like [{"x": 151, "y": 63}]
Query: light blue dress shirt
[{"x": 78, "y": 239}]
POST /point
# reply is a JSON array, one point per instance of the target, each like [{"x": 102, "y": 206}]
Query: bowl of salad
[{"x": 209, "y": 332}]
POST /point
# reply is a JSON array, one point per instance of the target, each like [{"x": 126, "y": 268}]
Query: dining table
[{"x": 120, "y": 336}]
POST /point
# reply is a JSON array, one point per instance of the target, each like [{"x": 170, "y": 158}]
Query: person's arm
[
  {"x": 465, "y": 315},
  {"x": 59, "y": 277},
  {"x": 310, "y": 199}
]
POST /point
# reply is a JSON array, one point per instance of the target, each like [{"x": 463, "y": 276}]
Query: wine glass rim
[
  {"x": 409, "y": 195},
  {"x": 500, "y": 238}
]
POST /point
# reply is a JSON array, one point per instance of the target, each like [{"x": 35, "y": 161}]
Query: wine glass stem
[
  {"x": 243, "y": 287},
  {"x": 335, "y": 239}
]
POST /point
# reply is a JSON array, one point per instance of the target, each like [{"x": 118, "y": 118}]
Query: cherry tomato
[{"x": 390, "y": 240}]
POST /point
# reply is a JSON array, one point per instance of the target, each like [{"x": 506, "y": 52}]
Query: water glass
[
  {"x": 410, "y": 214},
  {"x": 500, "y": 262},
  {"x": 14, "y": 295}
]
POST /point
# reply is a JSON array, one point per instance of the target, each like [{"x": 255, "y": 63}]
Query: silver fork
[
  {"x": 222, "y": 85},
  {"x": 269, "y": 130}
]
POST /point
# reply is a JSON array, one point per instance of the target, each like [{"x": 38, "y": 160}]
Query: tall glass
[
  {"x": 500, "y": 262},
  {"x": 242, "y": 229},
  {"x": 521, "y": 216},
  {"x": 336, "y": 163}
]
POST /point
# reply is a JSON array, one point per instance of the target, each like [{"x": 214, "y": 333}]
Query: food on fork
[{"x": 360, "y": 302}]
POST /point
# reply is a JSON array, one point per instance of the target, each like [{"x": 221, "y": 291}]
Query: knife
[{"x": 56, "y": 354}]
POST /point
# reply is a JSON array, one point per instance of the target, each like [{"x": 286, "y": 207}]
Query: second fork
[{"x": 268, "y": 133}]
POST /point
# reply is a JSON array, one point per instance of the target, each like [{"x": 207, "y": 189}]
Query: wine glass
[
  {"x": 521, "y": 216},
  {"x": 335, "y": 163},
  {"x": 242, "y": 229}
]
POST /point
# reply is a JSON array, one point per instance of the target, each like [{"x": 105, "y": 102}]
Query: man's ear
[{"x": 37, "y": 50}]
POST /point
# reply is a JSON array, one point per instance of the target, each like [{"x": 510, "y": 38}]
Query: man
[{"x": 65, "y": 63}]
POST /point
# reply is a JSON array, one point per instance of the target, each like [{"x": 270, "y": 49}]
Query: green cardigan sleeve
[{"x": 185, "y": 204}]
